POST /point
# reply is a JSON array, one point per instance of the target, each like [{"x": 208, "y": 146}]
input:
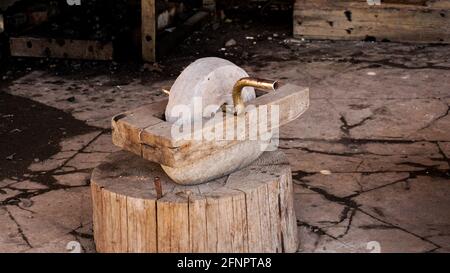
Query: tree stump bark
[{"x": 250, "y": 210}]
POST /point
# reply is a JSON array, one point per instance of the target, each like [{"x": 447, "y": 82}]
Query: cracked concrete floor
[{"x": 370, "y": 158}]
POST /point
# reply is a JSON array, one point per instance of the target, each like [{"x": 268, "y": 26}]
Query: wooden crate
[{"x": 426, "y": 21}]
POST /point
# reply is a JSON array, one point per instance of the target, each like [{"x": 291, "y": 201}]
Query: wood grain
[
  {"x": 143, "y": 132},
  {"x": 394, "y": 20},
  {"x": 251, "y": 210},
  {"x": 61, "y": 48},
  {"x": 148, "y": 25}
]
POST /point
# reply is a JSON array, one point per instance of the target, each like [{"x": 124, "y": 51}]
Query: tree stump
[{"x": 250, "y": 210}]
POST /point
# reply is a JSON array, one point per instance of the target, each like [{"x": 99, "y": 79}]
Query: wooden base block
[{"x": 250, "y": 210}]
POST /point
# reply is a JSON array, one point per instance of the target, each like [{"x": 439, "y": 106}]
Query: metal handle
[
  {"x": 238, "y": 102},
  {"x": 263, "y": 84}
]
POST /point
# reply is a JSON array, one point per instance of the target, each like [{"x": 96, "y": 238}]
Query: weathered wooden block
[
  {"x": 145, "y": 132},
  {"x": 214, "y": 148},
  {"x": 382, "y": 20}
]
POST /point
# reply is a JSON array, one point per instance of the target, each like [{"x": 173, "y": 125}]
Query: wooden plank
[
  {"x": 197, "y": 224},
  {"x": 387, "y": 3},
  {"x": 164, "y": 226},
  {"x": 441, "y": 4},
  {"x": 180, "y": 234},
  {"x": 402, "y": 21},
  {"x": 264, "y": 218},
  {"x": 287, "y": 214},
  {"x": 148, "y": 30},
  {"x": 239, "y": 228},
  {"x": 274, "y": 215},
  {"x": 225, "y": 229},
  {"x": 118, "y": 223},
  {"x": 97, "y": 216},
  {"x": 60, "y": 48},
  {"x": 110, "y": 234},
  {"x": 253, "y": 216},
  {"x": 141, "y": 225},
  {"x": 212, "y": 224},
  {"x": 291, "y": 241},
  {"x": 173, "y": 224}
]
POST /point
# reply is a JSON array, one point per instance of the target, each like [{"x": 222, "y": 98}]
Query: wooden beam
[
  {"x": 148, "y": 30},
  {"x": 60, "y": 48},
  {"x": 393, "y": 20}
]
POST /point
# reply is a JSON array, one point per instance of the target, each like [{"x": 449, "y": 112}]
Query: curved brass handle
[{"x": 253, "y": 82}]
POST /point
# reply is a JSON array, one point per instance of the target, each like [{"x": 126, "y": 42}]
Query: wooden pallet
[{"x": 426, "y": 21}]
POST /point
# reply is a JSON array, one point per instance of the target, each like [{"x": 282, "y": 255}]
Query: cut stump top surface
[{"x": 127, "y": 174}]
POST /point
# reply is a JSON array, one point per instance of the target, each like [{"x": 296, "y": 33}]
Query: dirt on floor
[{"x": 31, "y": 132}]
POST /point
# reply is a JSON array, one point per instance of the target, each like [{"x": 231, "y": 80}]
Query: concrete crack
[
  {"x": 19, "y": 228},
  {"x": 379, "y": 187},
  {"x": 347, "y": 201},
  {"x": 45, "y": 178},
  {"x": 350, "y": 220},
  {"x": 441, "y": 152},
  {"x": 333, "y": 198},
  {"x": 320, "y": 232},
  {"x": 398, "y": 227},
  {"x": 435, "y": 120}
]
